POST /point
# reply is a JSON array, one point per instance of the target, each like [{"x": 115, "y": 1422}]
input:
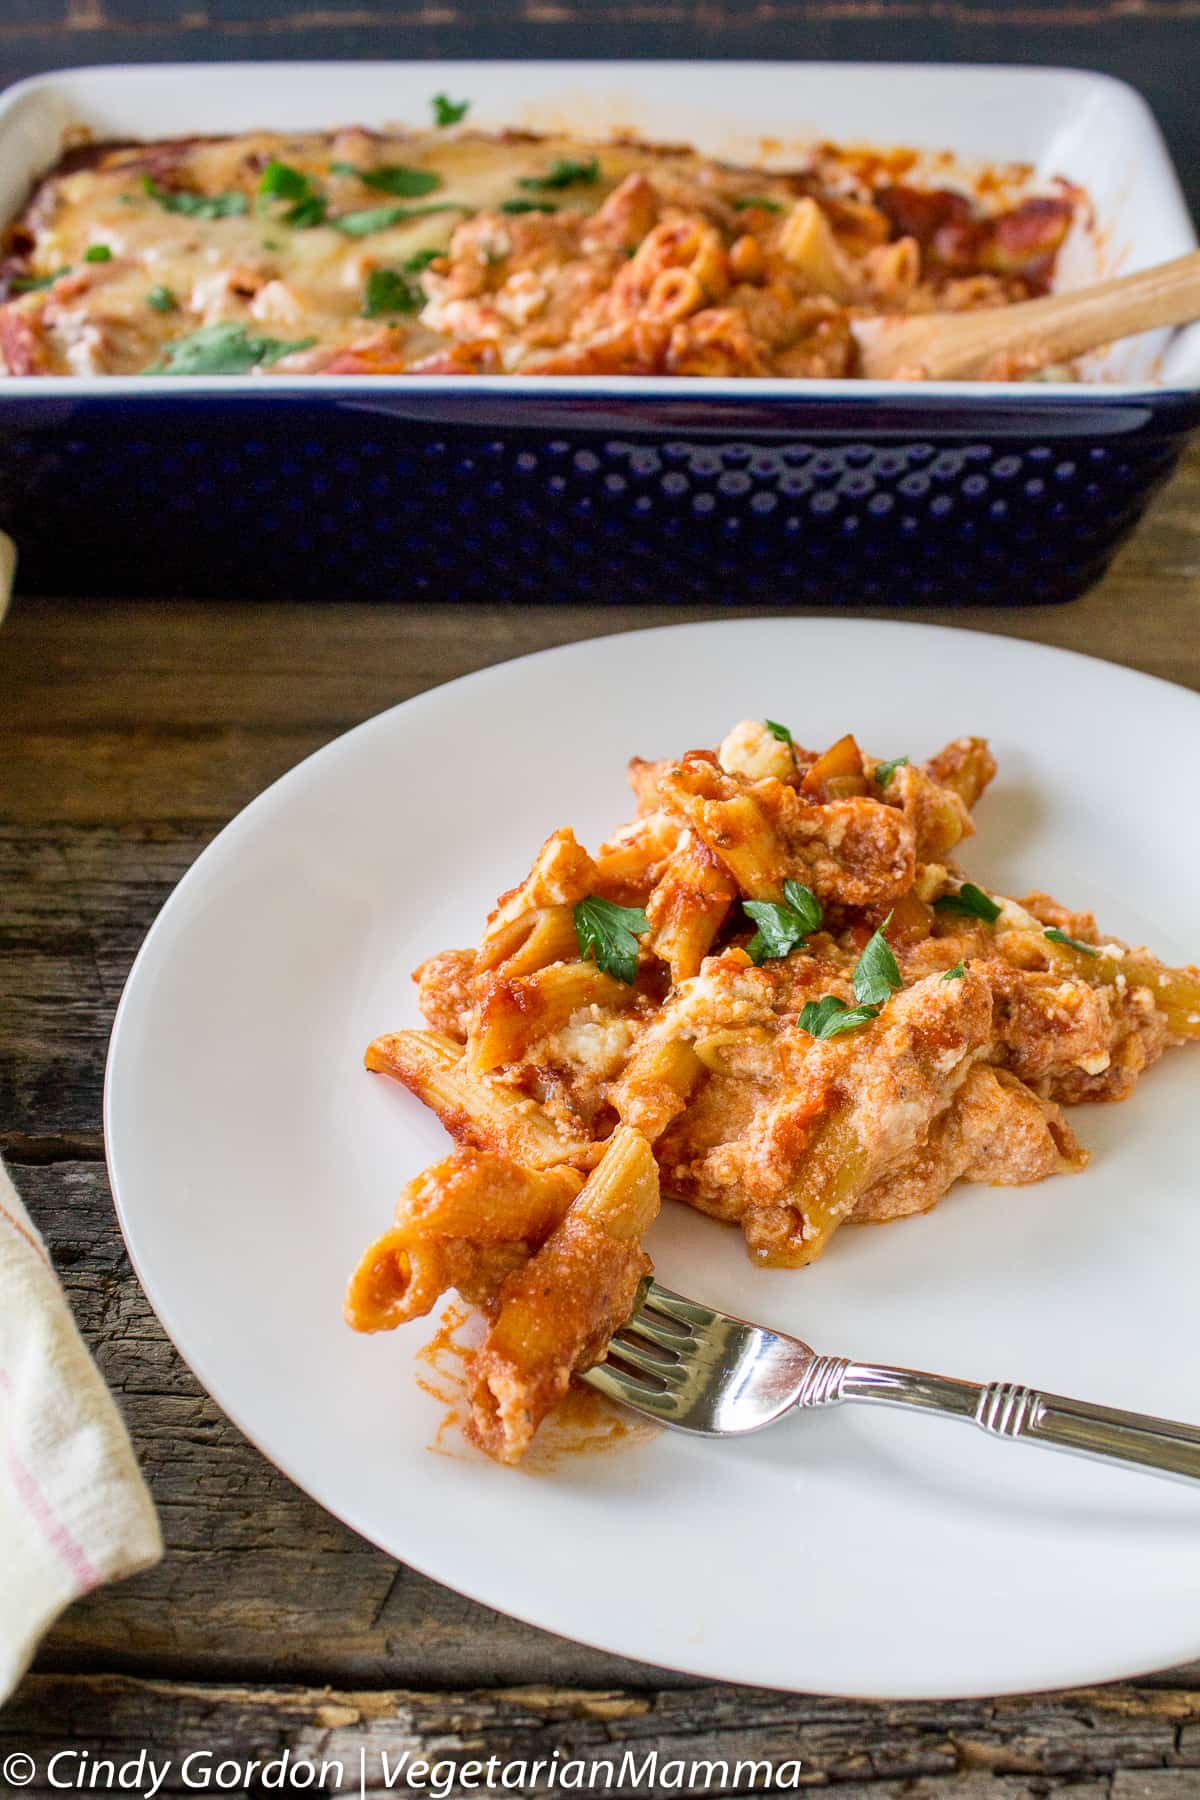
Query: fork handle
[{"x": 1007, "y": 1410}]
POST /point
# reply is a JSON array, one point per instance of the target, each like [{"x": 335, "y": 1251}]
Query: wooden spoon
[{"x": 1033, "y": 333}]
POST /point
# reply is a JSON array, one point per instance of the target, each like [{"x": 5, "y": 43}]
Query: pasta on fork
[{"x": 776, "y": 994}]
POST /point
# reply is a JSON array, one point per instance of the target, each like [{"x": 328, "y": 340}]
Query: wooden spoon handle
[
  {"x": 1069, "y": 324},
  {"x": 956, "y": 346}
]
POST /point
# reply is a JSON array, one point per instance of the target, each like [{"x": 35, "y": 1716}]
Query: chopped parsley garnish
[
  {"x": 955, "y": 974},
  {"x": 281, "y": 182},
  {"x": 420, "y": 259},
  {"x": 782, "y": 925},
  {"x": 225, "y": 349},
  {"x": 829, "y": 1017},
  {"x": 392, "y": 178},
  {"x": 97, "y": 253},
  {"x": 1060, "y": 937},
  {"x": 876, "y": 979},
  {"x": 527, "y": 206},
  {"x": 971, "y": 902},
  {"x": 195, "y": 206},
  {"x": 448, "y": 112},
  {"x": 609, "y": 933},
  {"x": 33, "y": 284},
  {"x": 161, "y": 300},
  {"x": 313, "y": 210},
  {"x": 876, "y": 973},
  {"x": 391, "y": 291},
  {"x": 382, "y": 218},
  {"x": 885, "y": 771},
  {"x": 562, "y": 173},
  {"x": 743, "y": 202}
]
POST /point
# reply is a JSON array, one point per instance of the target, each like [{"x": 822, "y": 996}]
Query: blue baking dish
[{"x": 600, "y": 488}]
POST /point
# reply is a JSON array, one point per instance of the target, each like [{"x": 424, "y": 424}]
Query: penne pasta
[
  {"x": 646, "y": 260},
  {"x": 473, "y": 1109},
  {"x": 556, "y": 1315},
  {"x": 516, "y": 1012},
  {"x": 628, "y": 865},
  {"x": 730, "y": 822},
  {"x": 655, "y": 1085},
  {"x": 966, "y": 765},
  {"x": 688, "y": 907},
  {"x": 806, "y": 241},
  {"x": 466, "y": 1223},
  {"x": 772, "y": 991},
  {"x": 562, "y": 874}
]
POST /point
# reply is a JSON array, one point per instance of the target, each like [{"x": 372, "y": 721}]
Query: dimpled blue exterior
[{"x": 455, "y": 496}]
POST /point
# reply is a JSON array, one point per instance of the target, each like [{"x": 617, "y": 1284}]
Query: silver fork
[{"x": 685, "y": 1365}]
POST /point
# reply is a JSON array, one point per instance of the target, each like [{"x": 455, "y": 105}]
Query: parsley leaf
[
  {"x": 562, "y": 173},
  {"x": 448, "y": 112},
  {"x": 392, "y": 178},
  {"x": 33, "y": 284},
  {"x": 971, "y": 902},
  {"x": 97, "y": 253},
  {"x": 225, "y": 349},
  {"x": 885, "y": 771},
  {"x": 609, "y": 933},
  {"x": 955, "y": 974},
  {"x": 743, "y": 201},
  {"x": 390, "y": 291},
  {"x": 307, "y": 212},
  {"x": 195, "y": 206},
  {"x": 876, "y": 973},
  {"x": 782, "y": 925},
  {"x": 804, "y": 902},
  {"x": 283, "y": 182},
  {"x": 1060, "y": 937},
  {"x": 382, "y": 218},
  {"x": 527, "y": 206},
  {"x": 829, "y": 1017},
  {"x": 161, "y": 300}
]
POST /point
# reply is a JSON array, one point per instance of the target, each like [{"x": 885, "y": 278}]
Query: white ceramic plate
[{"x": 854, "y": 1552}]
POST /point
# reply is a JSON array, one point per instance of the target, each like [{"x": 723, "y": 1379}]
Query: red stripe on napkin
[
  {"x": 51, "y": 1526},
  {"x": 21, "y": 1231}
]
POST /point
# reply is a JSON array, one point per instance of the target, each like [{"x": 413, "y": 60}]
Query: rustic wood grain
[
  {"x": 1114, "y": 1742},
  {"x": 258, "y": 1581},
  {"x": 130, "y": 733},
  {"x": 159, "y": 713}
]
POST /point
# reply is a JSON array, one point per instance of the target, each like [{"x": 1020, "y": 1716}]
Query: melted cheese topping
[{"x": 546, "y": 254}]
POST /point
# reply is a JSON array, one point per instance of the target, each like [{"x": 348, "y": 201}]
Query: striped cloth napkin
[{"x": 74, "y": 1510}]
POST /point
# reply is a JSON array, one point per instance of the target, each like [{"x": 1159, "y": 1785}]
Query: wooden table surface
[{"x": 131, "y": 734}]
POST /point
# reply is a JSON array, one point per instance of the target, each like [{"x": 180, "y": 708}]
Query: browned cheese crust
[{"x": 359, "y": 253}]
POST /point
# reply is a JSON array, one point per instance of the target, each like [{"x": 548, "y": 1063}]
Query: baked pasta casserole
[
  {"x": 774, "y": 992},
  {"x": 358, "y": 252}
]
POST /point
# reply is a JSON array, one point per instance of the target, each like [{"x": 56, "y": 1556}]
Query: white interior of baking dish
[{"x": 1088, "y": 128}]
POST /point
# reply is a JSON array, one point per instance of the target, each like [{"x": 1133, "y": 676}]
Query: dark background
[{"x": 1155, "y": 44}]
